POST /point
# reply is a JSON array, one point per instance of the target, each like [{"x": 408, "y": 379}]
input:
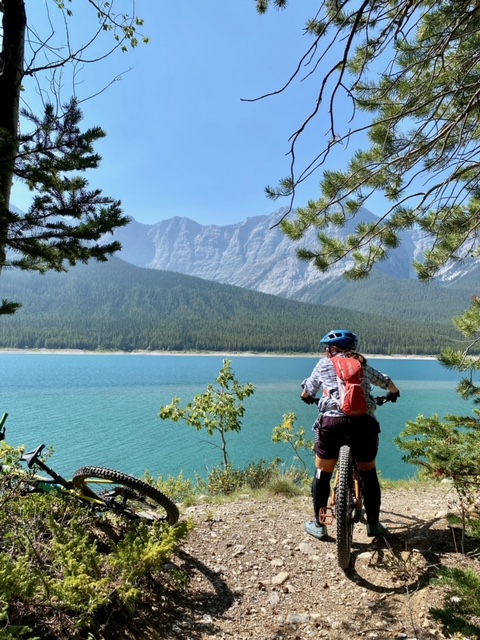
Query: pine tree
[
  {"x": 412, "y": 69},
  {"x": 448, "y": 448},
  {"x": 66, "y": 222}
]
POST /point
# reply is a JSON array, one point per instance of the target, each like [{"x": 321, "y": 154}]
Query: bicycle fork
[{"x": 327, "y": 515}]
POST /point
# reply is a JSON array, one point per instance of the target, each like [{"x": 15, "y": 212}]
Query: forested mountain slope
[
  {"x": 401, "y": 299},
  {"x": 116, "y": 305},
  {"x": 255, "y": 254}
]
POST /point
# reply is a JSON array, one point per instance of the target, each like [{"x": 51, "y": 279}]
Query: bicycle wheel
[
  {"x": 344, "y": 506},
  {"x": 125, "y": 494}
]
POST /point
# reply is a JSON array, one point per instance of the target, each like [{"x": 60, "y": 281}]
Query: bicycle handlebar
[{"x": 389, "y": 397}]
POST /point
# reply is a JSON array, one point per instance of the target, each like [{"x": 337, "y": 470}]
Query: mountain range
[
  {"x": 255, "y": 254},
  {"x": 179, "y": 285}
]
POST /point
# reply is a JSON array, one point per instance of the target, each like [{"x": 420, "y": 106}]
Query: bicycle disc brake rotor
[{"x": 129, "y": 502}]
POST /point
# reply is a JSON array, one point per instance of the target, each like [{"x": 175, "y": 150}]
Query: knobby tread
[
  {"x": 82, "y": 476},
  {"x": 343, "y": 509}
]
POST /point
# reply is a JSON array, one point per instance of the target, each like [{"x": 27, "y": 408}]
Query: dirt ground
[{"x": 255, "y": 573}]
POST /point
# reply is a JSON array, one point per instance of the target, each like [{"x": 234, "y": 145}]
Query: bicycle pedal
[{"x": 327, "y": 516}]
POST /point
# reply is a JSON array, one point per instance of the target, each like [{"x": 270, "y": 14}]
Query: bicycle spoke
[{"x": 122, "y": 493}]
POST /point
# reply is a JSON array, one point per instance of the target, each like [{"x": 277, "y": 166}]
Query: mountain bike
[
  {"x": 346, "y": 502},
  {"x": 102, "y": 488},
  {"x": 347, "y": 498}
]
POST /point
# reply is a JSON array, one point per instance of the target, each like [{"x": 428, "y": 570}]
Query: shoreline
[{"x": 223, "y": 354}]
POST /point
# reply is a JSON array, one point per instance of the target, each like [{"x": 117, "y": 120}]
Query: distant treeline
[
  {"x": 402, "y": 298},
  {"x": 116, "y": 306}
]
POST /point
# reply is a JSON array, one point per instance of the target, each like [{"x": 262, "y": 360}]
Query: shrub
[
  {"x": 449, "y": 448},
  {"x": 226, "y": 481},
  {"x": 178, "y": 489},
  {"x": 60, "y": 555},
  {"x": 285, "y": 433},
  {"x": 284, "y": 486}
]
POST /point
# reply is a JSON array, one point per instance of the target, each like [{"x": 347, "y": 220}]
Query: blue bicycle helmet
[{"x": 340, "y": 338}]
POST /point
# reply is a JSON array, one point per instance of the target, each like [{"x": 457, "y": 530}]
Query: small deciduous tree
[
  {"x": 218, "y": 410},
  {"x": 285, "y": 433}
]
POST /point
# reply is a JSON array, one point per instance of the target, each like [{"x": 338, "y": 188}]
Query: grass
[
  {"x": 258, "y": 481},
  {"x": 461, "y": 613}
]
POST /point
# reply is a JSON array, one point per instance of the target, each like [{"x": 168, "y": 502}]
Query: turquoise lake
[{"x": 103, "y": 409}]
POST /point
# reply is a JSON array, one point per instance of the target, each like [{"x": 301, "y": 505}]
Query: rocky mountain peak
[{"x": 254, "y": 254}]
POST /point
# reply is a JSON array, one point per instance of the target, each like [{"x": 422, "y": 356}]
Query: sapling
[{"x": 219, "y": 409}]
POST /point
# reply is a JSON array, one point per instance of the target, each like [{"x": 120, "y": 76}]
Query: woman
[{"x": 333, "y": 425}]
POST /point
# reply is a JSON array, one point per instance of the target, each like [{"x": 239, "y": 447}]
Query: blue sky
[{"x": 180, "y": 140}]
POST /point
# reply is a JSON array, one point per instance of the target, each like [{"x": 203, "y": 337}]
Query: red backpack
[{"x": 350, "y": 374}]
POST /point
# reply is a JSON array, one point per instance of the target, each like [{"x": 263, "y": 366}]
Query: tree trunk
[
  {"x": 14, "y": 23},
  {"x": 226, "y": 459}
]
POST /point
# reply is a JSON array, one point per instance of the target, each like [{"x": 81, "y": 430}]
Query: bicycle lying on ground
[
  {"x": 101, "y": 488},
  {"x": 346, "y": 502}
]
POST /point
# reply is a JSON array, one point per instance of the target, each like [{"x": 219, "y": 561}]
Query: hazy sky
[{"x": 180, "y": 140}]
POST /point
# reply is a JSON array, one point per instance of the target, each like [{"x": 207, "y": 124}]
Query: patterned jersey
[{"x": 324, "y": 376}]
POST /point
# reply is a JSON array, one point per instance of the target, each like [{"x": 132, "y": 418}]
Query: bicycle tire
[
  {"x": 125, "y": 494},
  {"x": 344, "y": 508}
]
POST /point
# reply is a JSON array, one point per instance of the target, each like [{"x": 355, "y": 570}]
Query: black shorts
[{"x": 361, "y": 434}]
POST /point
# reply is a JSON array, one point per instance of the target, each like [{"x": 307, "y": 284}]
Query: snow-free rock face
[{"x": 254, "y": 254}]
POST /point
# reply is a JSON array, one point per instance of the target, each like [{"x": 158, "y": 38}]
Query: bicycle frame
[
  {"x": 102, "y": 488},
  {"x": 356, "y": 488},
  {"x": 55, "y": 481},
  {"x": 327, "y": 515}
]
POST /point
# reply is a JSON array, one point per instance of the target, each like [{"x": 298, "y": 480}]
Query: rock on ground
[{"x": 255, "y": 573}]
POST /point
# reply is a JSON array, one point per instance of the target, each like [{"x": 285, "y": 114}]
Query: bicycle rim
[
  {"x": 124, "y": 494},
  {"x": 344, "y": 508}
]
